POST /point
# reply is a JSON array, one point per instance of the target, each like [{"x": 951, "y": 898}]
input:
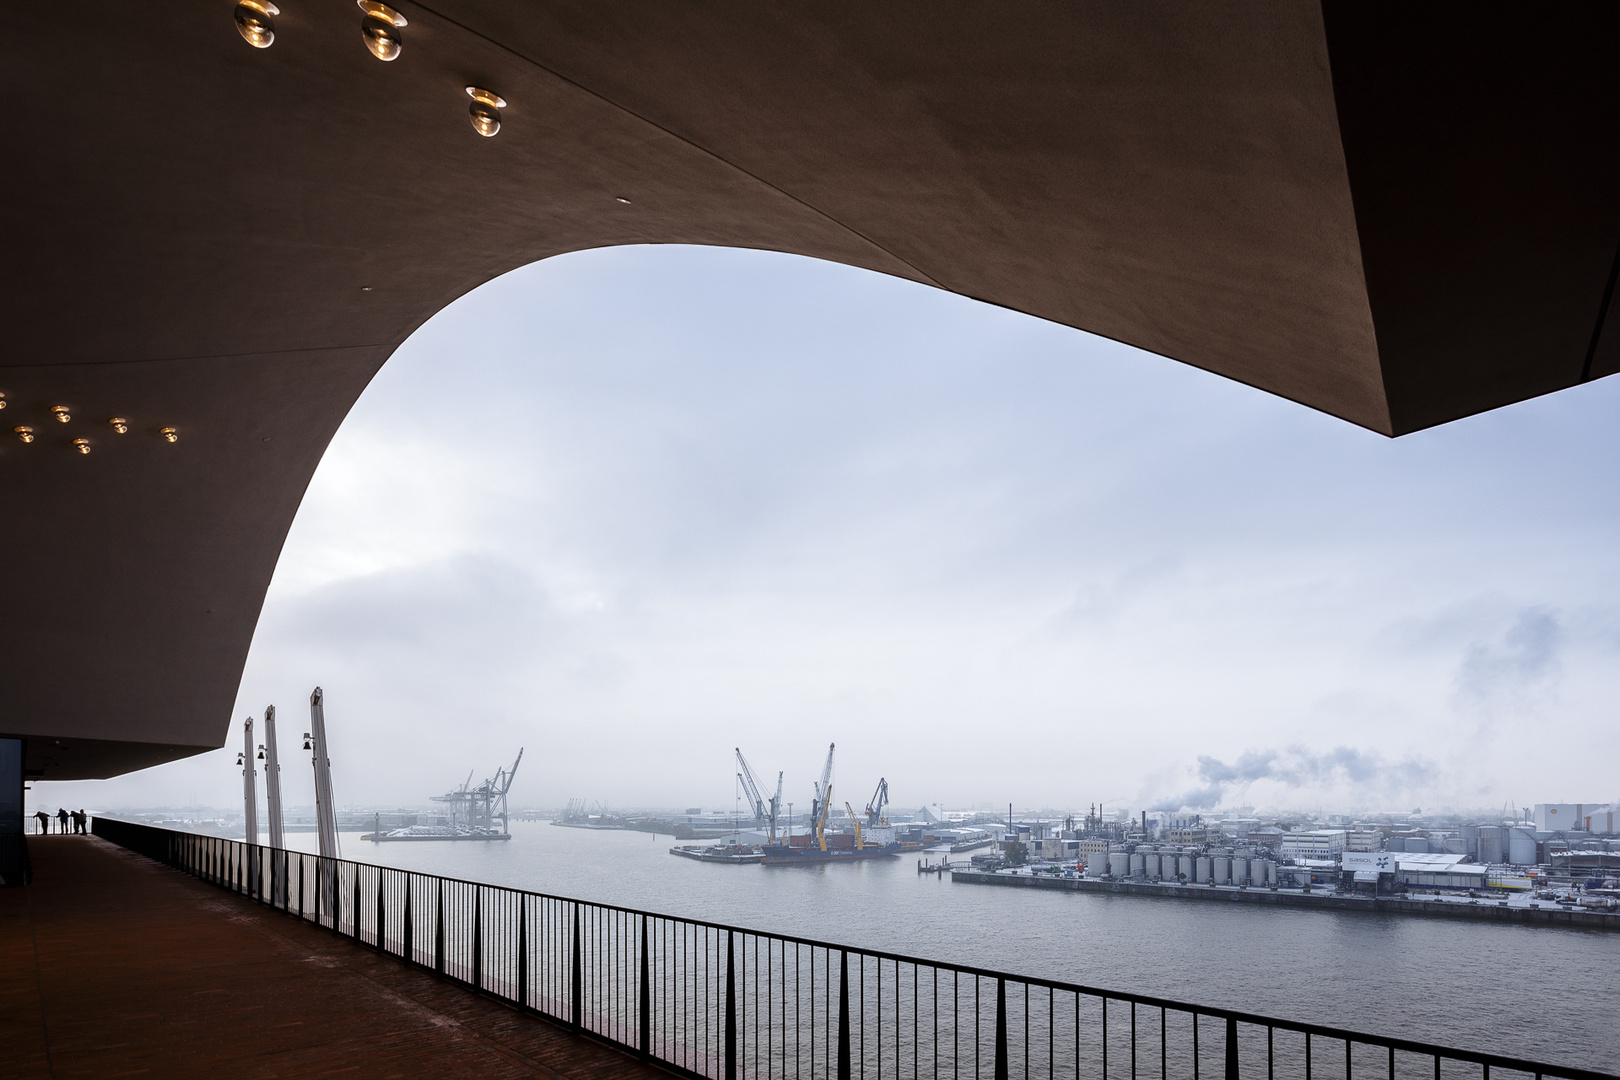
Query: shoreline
[{"x": 1382, "y": 905}]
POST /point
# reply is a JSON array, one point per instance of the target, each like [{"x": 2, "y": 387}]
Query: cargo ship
[{"x": 841, "y": 847}]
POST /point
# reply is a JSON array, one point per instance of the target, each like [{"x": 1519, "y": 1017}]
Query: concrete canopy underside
[{"x": 1397, "y": 216}]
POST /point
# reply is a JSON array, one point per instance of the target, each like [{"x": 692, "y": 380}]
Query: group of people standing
[{"x": 74, "y": 821}]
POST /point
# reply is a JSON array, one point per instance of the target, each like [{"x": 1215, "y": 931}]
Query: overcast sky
[{"x": 631, "y": 508}]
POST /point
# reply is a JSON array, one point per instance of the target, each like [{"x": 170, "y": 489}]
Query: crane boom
[
  {"x": 751, "y": 789},
  {"x": 874, "y": 807},
  {"x": 823, "y": 798},
  {"x": 855, "y": 821}
]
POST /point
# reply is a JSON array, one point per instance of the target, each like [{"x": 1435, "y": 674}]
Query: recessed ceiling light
[
  {"x": 119, "y": 424},
  {"x": 254, "y": 24},
  {"x": 82, "y": 445},
  {"x": 485, "y": 110},
  {"x": 25, "y": 433},
  {"x": 380, "y": 29},
  {"x": 621, "y": 198},
  {"x": 169, "y": 434},
  {"x": 61, "y": 413},
  {"x": 2, "y": 401}
]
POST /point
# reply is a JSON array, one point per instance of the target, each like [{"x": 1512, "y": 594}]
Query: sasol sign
[{"x": 1381, "y": 862}]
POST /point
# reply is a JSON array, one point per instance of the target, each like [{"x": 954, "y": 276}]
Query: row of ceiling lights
[
  {"x": 62, "y": 414},
  {"x": 380, "y": 27}
]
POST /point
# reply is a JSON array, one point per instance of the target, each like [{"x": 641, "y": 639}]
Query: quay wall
[{"x": 1486, "y": 911}]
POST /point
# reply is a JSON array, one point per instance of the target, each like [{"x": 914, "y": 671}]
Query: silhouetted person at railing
[
  {"x": 42, "y": 821},
  {"x": 62, "y": 816},
  {"x": 80, "y": 822}
]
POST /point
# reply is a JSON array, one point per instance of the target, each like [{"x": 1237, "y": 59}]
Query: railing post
[
  {"x": 317, "y": 891},
  {"x": 1232, "y": 1050},
  {"x": 382, "y": 912},
  {"x": 410, "y": 923},
  {"x": 438, "y": 933},
  {"x": 574, "y": 988},
  {"x": 478, "y": 937},
  {"x": 523, "y": 951},
  {"x": 843, "y": 1015},
  {"x": 1001, "y": 1029},
  {"x": 645, "y": 1012},
  {"x": 300, "y": 886},
  {"x": 354, "y": 910},
  {"x": 731, "y": 1008}
]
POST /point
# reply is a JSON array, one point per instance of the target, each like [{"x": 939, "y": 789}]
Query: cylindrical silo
[
  {"x": 1201, "y": 869},
  {"x": 1271, "y": 872},
  {"x": 1223, "y": 869},
  {"x": 1118, "y": 863},
  {"x": 1240, "y": 871},
  {"x": 1150, "y": 864},
  {"x": 1186, "y": 867},
  {"x": 1138, "y": 864}
]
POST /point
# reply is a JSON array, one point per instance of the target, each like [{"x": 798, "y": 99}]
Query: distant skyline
[{"x": 630, "y": 508}]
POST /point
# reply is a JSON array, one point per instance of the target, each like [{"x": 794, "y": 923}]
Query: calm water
[{"x": 1544, "y": 993}]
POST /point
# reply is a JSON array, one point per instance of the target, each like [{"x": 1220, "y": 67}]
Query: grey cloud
[
  {"x": 1505, "y": 676},
  {"x": 1299, "y": 768}
]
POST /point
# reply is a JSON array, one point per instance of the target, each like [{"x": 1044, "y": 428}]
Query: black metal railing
[{"x": 723, "y": 1002}]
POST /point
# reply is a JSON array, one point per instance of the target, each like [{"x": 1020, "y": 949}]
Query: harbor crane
[
  {"x": 874, "y": 806},
  {"x": 476, "y": 809},
  {"x": 765, "y": 811},
  {"x": 856, "y": 823},
  {"x": 823, "y": 801}
]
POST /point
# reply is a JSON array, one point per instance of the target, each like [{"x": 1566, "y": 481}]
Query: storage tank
[
  {"x": 1138, "y": 864},
  {"x": 1186, "y": 867},
  {"x": 1521, "y": 847},
  {"x": 1240, "y": 871},
  {"x": 1201, "y": 869},
  {"x": 1271, "y": 872},
  {"x": 1119, "y": 863},
  {"x": 1150, "y": 864},
  {"x": 1223, "y": 869}
]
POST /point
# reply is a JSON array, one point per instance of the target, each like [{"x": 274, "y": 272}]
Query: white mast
[
  {"x": 250, "y": 797},
  {"x": 325, "y": 812},
  {"x": 272, "y": 778}
]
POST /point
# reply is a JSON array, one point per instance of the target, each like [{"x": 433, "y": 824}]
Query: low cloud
[
  {"x": 1299, "y": 769},
  {"x": 1509, "y": 676}
]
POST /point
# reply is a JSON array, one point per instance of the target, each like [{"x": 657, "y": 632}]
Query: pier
[{"x": 1487, "y": 910}]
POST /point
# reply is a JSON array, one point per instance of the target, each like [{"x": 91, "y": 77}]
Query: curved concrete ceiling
[{"x": 1398, "y": 216}]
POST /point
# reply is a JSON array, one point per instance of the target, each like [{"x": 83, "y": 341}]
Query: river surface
[{"x": 1545, "y": 993}]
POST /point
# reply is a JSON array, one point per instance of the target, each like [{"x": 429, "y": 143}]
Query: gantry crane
[
  {"x": 875, "y": 805},
  {"x": 765, "y": 811},
  {"x": 823, "y": 800}
]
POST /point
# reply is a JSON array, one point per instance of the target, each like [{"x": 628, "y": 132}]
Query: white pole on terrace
[
  {"x": 250, "y": 796},
  {"x": 272, "y": 779},
  {"x": 325, "y": 812}
]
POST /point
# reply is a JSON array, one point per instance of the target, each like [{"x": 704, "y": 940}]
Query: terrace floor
[{"x": 114, "y": 965}]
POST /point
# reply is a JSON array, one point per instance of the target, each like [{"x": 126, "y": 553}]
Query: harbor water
[{"x": 1547, "y": 993}]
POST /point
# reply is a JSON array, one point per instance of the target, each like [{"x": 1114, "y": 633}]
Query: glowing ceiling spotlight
[
  {"x": 25, "y": 433},
  {"x": 2, "y": 401},
  {"x": 119, "y": 424},
  {"x": 254, "y": 24},
  {"x": 61, "y": 413},
  {"x": 380, "y": 29},
  {"x": 485, "y": 110},
  {"x": 169, "y": 434},
  {"x": 82, "y": 445}
]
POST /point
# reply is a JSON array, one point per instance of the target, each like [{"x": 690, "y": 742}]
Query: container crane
[
  {"x": 765, "y": 810},
  {"x": 856, "y": 822},
  {"x": 823, "y": 800},
  {"x": 874, "y": 806}
]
